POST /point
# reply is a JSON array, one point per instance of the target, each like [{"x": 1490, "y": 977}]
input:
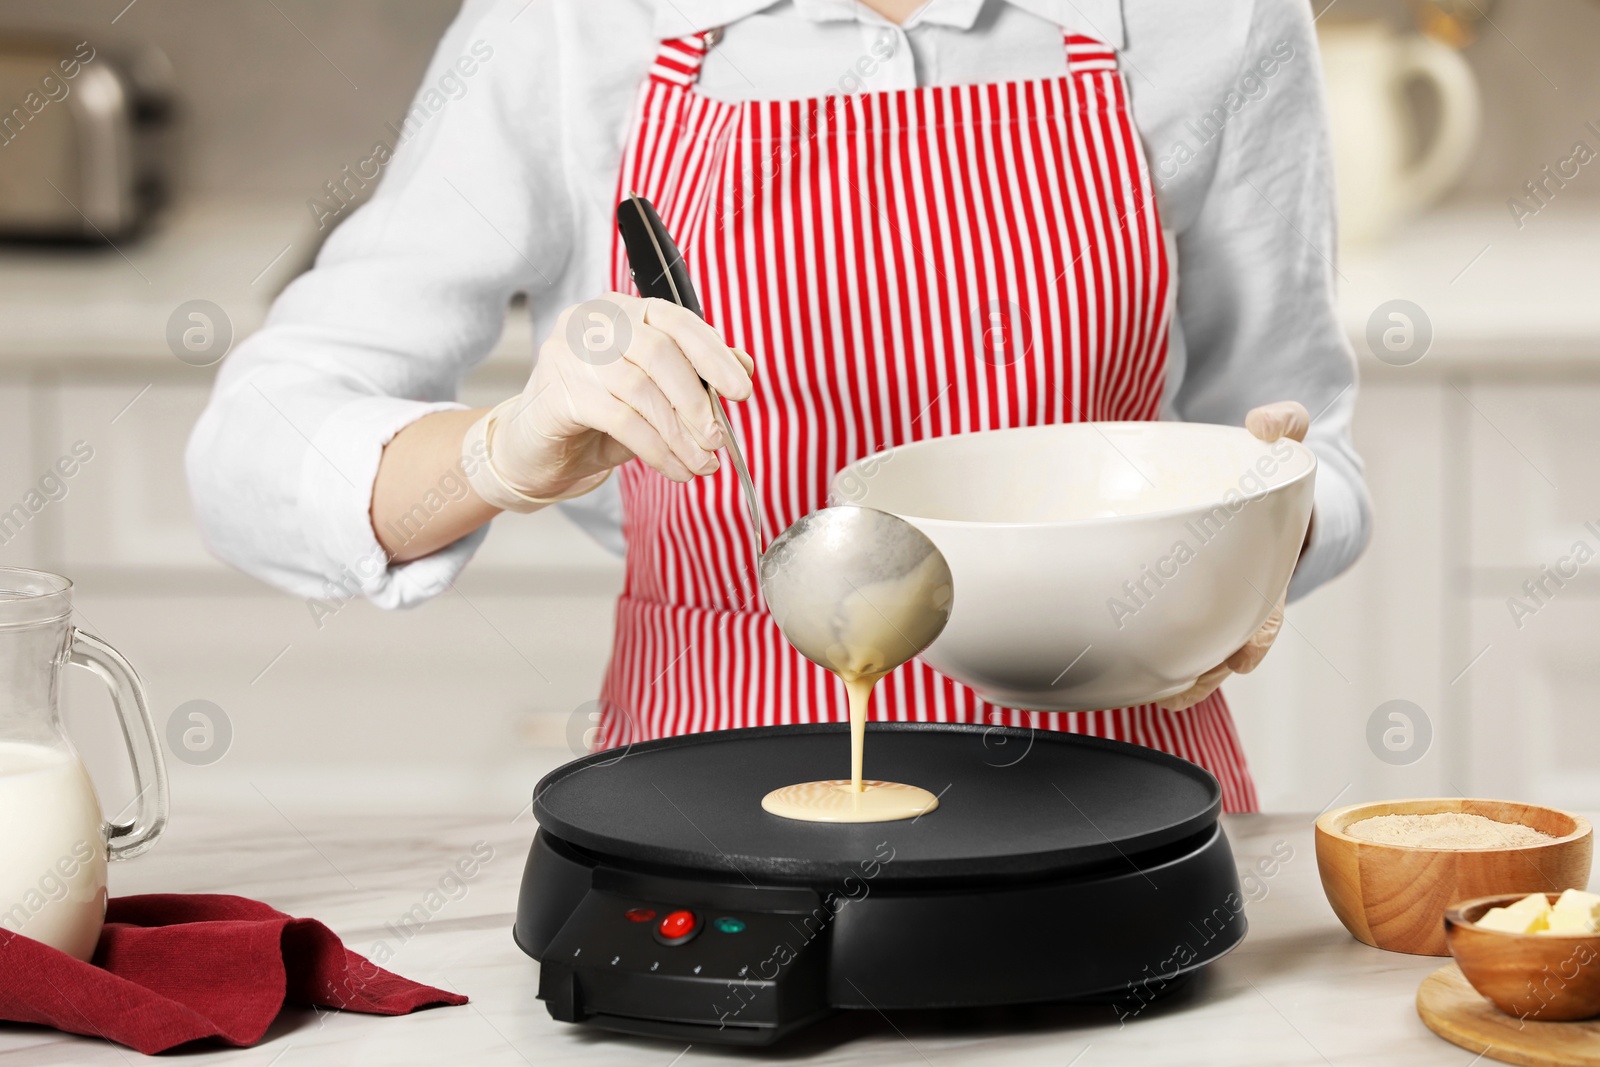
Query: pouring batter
[
  {"x": 816, "y": 579},
  {"x": 853, "y": 800},
  {"x": 978, "y": 225}
]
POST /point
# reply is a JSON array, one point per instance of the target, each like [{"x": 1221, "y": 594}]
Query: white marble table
[{"x": 1299, "y": 990}]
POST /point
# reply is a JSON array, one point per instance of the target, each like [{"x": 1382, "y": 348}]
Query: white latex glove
[
  {"x": 1269, "y": 422},
  {"x": 621, "y": 380}
]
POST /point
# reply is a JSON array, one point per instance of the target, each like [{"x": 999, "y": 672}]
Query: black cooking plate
[{"x": 1012, "y": 802}]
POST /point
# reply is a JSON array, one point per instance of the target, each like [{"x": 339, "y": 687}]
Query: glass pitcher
[{"x": 54, "y": 841}]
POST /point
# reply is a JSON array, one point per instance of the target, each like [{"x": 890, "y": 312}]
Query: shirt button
[{"x": 887, "y": 43}]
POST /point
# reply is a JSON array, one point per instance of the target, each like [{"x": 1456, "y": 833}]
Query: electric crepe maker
[{"x": 661, "y": 900}]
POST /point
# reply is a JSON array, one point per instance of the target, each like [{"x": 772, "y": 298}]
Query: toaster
[{"x": 85, "y": 150}]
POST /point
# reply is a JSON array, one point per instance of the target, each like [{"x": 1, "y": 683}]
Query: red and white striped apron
[{"x": 902, "y": 265}]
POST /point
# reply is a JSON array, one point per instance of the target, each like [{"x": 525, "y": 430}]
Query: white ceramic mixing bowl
[{"x": 1097, "y": 565}]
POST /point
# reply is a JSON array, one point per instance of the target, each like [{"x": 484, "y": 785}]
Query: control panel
[{"x": 680, "y": 966}]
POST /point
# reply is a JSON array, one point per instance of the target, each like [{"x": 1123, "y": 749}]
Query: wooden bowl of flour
[{"x": 1393, "y": 893}]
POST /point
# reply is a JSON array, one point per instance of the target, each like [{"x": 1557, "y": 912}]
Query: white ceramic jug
[
  {"x": 54, "y": 841},
  {"x": 1368, "y": 67}
]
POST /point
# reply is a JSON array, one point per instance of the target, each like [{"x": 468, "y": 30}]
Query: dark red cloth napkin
[{"x": 172, "y": 968}]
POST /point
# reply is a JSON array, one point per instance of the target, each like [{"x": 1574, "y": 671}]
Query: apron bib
[{"x": 902, "y": 265}]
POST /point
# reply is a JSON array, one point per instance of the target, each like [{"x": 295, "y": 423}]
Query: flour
[{"x": 1445, "y": 829}]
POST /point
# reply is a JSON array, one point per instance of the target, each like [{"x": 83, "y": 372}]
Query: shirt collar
[
  {"x": 958, "y": 13},
  {"x": 1098, "y": 18}
]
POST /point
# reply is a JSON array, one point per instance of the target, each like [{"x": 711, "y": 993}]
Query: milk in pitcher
[{"x": 53, "y": 878}]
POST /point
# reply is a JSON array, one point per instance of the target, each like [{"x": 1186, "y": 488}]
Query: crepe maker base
[{"x": 1055, "y": 867}]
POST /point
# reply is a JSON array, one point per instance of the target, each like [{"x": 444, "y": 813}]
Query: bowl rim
[
  {"x": 1093, "y": 520},
  {"x": 1324, "y": 824},
  {"x": 1455, "y": 916}
]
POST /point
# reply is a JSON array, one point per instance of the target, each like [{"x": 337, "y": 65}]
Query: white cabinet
[
  {"x": 1531, "y": 448},
  {"x": 1534, "y": 732},
  {"x": 1530, "y": 590},
  {"x": 1371, "y": 636},
  {"x": 1477, "y": 482},
  {"x": 450, "y": 702},
  {"x": 1478, "y": 479},
  {"x": 19, "y": 530},
  {"x": 130, "y": 504},
  {"x": 1480, "y": 483}
]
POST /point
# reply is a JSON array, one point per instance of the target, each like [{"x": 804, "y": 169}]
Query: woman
[{"x": 902, "y": 221}]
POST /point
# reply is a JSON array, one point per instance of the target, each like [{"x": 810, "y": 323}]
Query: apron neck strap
[{"x": 679, "y": 60}]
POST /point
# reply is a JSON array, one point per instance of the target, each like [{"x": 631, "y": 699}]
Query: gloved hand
[
  {"x": 609, "y": 387},
  {"x": 1269, "y": 422}
]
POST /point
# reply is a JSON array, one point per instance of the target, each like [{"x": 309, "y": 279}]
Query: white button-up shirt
[{"x": 503, "y": 182}]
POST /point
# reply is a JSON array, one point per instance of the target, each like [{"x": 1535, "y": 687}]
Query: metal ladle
[
  {"x": 856, "y": 590},
  {"x": 846, "y": 584}
]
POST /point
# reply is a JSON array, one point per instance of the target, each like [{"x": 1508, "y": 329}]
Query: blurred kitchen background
[{"x": 1411, "y": 675}]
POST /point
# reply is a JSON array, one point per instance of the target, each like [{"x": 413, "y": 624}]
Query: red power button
[{"x": 677, "y": 928}]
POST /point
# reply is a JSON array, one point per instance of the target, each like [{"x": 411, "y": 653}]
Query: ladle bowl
[{"x": 857, "y": 591}]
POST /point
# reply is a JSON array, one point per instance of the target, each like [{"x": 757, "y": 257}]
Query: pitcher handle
[
  {"x": 125, "y": 840},
  {"x": 1460, "y": 117}
]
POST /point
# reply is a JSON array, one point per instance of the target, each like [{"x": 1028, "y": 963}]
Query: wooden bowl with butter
[
  {"x": 1392, "y": 893},
  {"x": 1546, "y": 975}
]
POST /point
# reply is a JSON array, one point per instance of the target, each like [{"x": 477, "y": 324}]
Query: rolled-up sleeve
[
  {"x": 406, "y": 296},
  {"x": 1256, "y": 301}
]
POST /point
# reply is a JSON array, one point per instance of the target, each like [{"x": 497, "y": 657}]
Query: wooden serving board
[{"x": 1456, "y": 1012}]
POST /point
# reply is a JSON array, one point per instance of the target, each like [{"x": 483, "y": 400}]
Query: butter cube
[
  {"x": 1527, "y": 916},
  {"x": 1577, "y": 902},
  {"x": 1534, "y": 906},
  {"x": 1568, "y": 922},
  {"x": 1509, "y": 922}
]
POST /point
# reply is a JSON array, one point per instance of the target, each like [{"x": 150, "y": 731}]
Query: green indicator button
[{"x": 729, "y": 925}]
